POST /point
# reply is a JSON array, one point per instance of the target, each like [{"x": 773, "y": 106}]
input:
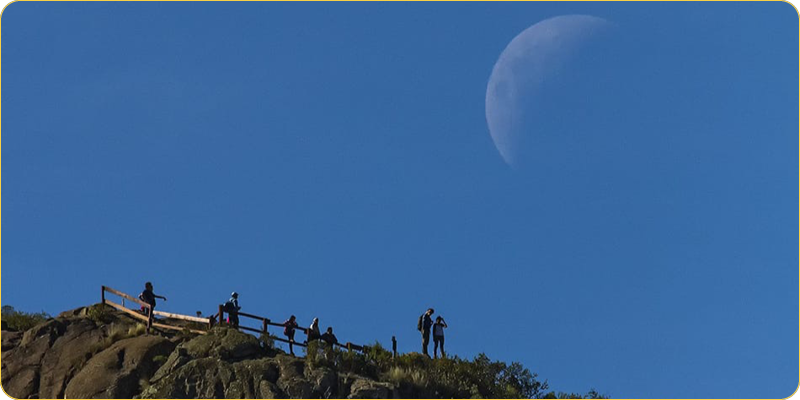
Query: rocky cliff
[{"x": 100, "y": 353}]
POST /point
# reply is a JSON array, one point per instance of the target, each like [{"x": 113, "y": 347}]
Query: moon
[{"x": 533, "y": 56}]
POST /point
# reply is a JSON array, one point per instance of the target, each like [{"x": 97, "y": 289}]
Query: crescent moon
[{"x": 527, "y": 61}]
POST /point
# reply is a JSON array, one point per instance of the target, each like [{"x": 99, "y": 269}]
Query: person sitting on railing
[
  {"x": 313, "y": 330},
  {"x": 328, "y": 337},
  {"x": 232, "y": 308},
  {"x": 288, "y": 329},
  {"x": 149, "y": 297}
]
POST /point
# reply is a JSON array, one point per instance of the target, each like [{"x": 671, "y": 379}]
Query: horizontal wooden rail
[
  {"x": 177, "y": 328},
  {"x": 150, "y": 313},
  {"x": 351, "y": 346},
  {"x": 265, "y": 322},
  {"x": 244, "y": 314},
  {"x": 181, "y": 316},
  {"x": 126, "y": 296},
  {"x": 301, "y": 344},
  {"x": 268, "y": 321},
  {"x": 299, "y": 328},
  {"x": 209, "y": 321},
  {"x": 126, "y": 310},
  {"x": 247, "y": 328}
]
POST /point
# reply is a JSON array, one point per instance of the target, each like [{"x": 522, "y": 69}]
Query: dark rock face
[
  {"x": 50, "y": 329},
  {"x": 117, "y": 371},
  {"x": 213, "y": 366},
  {"x": 225, "y": 344},
  {"x": 11, "y": 340},
  {"x": 205, "y": 378},
  {"x": 86, "y": 354},
  {"x": 49, "y": 355},
  {"x": 367, "y": 389},
  {"x": 21, "y": 368},
  {"x": 66, "y": 356},
  {"x": 223, "y": 364},
  {"x": 324, "y": 383}
]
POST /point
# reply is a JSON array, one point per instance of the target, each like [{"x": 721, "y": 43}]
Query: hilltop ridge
[{"x": 98, "y": 352}]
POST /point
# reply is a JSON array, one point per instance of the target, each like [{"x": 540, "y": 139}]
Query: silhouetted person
[
  {"x": 438, "y": 335},
  {"x": 328, "y": 337},
  {"x": 288, "y": 329},
  {"x": 232, "y": 308},
  {"x": 425, "y": 327},
  {"x": 149, "y": 297},
  {"x": 313, "y": 330}
]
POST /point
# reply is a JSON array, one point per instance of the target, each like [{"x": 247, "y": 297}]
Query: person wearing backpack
[
  {"x": 438, "y": 335},
  {"x": 232, "y": 308},
  {"x": 424, "y": 326},
  {"x": 288, "y": 329}
]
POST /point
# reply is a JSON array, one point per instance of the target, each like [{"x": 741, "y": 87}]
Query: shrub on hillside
[
  {"x": 478, "y": 378},
  {"x": 320, "y": 354},
  {"x": 98, "y": 314},
  {"x": 441, "y": 378},
  {"x": 22, "y": 321},
  {"x": 592, "y": 394},
  {"x": 378, "y": 356},
  {"x": 266, "y": 341}
]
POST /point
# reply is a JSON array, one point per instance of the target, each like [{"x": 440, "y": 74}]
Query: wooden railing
[
  {"x": 266, "y": 323},
  {"x": 146, "y": 312}
]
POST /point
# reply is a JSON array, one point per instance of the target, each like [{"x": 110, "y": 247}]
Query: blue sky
[{"x": 333, "y": 160}]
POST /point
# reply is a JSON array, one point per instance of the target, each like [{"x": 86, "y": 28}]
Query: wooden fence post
[
  {"x": 102, "y": 294},
  {"x": 264, "y": 326},
  {"x": 221, "y": 316},
  {"x": 394, "y": 347}
]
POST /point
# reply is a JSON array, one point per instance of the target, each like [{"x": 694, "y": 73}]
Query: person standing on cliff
[
  {"x": 288, "y": 329},
  {"x": 329, "y": 338},
  {"x": 149, "y": 297},
  {"x": 232, "y": 308},
  {"x": 424, "y": 326},
  {"x": 313, "y": 330},
  {"x": 438, "y": 335}
]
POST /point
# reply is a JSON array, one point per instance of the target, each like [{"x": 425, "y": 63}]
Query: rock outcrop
[
  {"x": 117, "y": 372},
  {"x": 49, "y": 355},
  {"x": 231, "y": 364},
  {"x": 89, "y": 353}
]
